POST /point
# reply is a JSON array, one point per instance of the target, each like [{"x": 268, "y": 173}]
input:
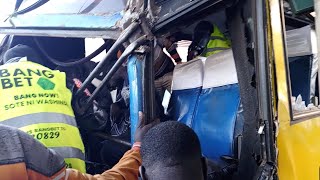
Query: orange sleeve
[{"x": 126, "y": 168}]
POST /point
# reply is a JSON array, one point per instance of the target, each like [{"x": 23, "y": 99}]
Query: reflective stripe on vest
[
  {"x": 36, "y": 100},
  {"x": 38, "y": 118},
  {"x": 69, "y": 152},
  {"x": 217, "y": 37},
  {"x": 217, "y": 43},
  {"x": 73, "y": 157}
]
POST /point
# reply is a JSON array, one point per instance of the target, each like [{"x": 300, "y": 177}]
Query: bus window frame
[{"x": 300, "y": 116}]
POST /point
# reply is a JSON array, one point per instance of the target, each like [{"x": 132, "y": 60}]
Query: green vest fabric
[
  {"x": 217, "y": 43},
  {"x": 35, "y": 99}
]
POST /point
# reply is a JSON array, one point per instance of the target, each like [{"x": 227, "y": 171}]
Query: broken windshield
[
  {"x": 92, "y": 7},
  {"x": 170, "y": 6}
]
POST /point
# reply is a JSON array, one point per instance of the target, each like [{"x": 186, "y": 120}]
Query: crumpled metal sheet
[{"x": 134, "y": 9}]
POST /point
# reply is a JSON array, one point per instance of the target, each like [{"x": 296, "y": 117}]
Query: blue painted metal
[
  {"x": 54, "y": 14},
  {"x": 65, "y": 21},
  {"x": 135, "y": 86}
]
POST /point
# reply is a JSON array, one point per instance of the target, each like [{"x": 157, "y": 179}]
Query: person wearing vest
[
  {"x": 23, "y": 157},
  {"x": 207, "y": 40},
  {"x": 35, "y": 99}
]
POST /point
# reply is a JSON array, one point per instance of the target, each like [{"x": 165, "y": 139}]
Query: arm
[{"x": 126, "y": 168}]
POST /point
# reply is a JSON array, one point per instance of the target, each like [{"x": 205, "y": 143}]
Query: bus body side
[{"x": 297, "y": 141}]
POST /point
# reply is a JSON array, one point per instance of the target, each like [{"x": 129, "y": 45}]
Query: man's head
[
  {"x": 19, "y": 51},
  {"x": 201, "y": 37},
  {"x": 171, "y": 150}
]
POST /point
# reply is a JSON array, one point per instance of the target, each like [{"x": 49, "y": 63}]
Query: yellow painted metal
[
  {"x": 272, "y": 65},
  {"x": 298, "y": 144}
]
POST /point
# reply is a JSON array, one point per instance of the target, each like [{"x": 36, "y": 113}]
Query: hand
[{"x": 142, "y": 128}]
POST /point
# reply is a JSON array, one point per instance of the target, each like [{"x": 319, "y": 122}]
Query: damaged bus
[{"x": 254, "y": 104}]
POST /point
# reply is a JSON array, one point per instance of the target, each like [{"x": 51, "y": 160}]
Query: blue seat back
[
  {"x": 218, "y": 106},
  {"x": 211, "y": 107},
  {"x": 186, "y": 88}
]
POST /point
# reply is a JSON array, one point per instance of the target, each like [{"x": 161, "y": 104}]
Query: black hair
[
  {"x": 204, "y": 26},
  {"x": 201, "y": 36},
  {"x": 169, "y": 144}
]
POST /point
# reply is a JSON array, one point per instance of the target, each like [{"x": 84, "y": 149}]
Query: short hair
[{"x": 169, "y": 144}]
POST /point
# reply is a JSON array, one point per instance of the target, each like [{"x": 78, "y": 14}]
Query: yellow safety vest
[
  {"x": 217, "y": 43},
  {"x": 36, "y": 100}
]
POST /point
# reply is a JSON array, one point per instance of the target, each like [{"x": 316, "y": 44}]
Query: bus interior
[{"x": 216, "y": 96}]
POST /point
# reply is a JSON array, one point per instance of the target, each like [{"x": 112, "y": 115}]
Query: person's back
[
  {"x": 36, "y": 100},
  {"x": 171, "y": 150},
  {"x": 22, "y": 157}
]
